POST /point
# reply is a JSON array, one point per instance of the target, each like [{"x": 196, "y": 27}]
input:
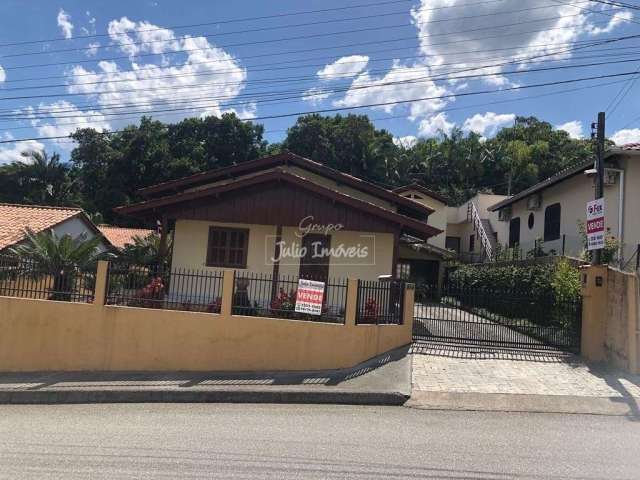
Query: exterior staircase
[{"x": 484, "y": 230}]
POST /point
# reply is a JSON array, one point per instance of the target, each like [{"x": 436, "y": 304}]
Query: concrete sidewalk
[
  {"x": 384, "y": 380},
  {"x": 468, "y": 377}
]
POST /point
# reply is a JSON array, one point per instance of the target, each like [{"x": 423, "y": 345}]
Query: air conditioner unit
[
  {"x": 534, "y": 202},
  {"x": 610, "y": 177},
  {"x": 504, "y": 214}
]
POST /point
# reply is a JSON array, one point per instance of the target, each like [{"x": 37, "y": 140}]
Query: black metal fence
[
  {"x": 28, "y": 279},
  {"x": 380, "y": 302},
  {"x": 155, "y": 286},
  {"x": 497, "y": 318},
  {"x": 263, "y": 295}
]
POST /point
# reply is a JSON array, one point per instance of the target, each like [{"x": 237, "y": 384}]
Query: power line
[
  {"x": 308, "y": 37},
  {"x": 271, "y": 68},
  {"x": 368, "y": 52},
  {"x": 237, "y": 20},
  {"x": 446, "y": 109},
  {"x": 379, "y": 104},
  {"x": 290, "y": 26},
  {"x": 74, "y": 94},
  {"x": 336, "y": 90}
]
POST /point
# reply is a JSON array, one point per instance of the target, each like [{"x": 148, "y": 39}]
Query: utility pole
[{"x": 597, "y": 254}]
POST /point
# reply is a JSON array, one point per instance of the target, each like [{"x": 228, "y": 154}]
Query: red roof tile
[
  {"x": 14, "y": 219},
  {"x": 120, "y": 236}
]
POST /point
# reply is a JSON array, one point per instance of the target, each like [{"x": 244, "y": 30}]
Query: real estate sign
[
  {"x": 309, "y": 297},
  {"x": 595, "y": 224}
]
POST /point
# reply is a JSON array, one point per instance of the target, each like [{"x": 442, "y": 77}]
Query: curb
[
  {"x": 28, "y": 397},
  {"x": 521, "y": 403}
]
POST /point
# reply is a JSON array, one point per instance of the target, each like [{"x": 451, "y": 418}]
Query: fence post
[
  {"x": 228, "y": 278},
  {"x": 408, "y": 305},
  {"x": 100, "y": 290},
  {"x": 564, "y": 243},
  {"x": 352, "y": 302}
]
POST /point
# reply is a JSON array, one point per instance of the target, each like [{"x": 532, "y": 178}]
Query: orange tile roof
[
  {"x": 120, "y": 236},
  {"x": 14, "y": 219}
]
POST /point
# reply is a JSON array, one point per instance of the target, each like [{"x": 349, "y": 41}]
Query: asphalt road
[{"x": 284, "y": 441}]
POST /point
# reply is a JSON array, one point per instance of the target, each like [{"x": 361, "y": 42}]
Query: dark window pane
[
  {"x": 514, "y": 232},
  {"x": 552, "y": 222}
]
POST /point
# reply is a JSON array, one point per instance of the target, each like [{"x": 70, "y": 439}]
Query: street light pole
[{"x": 597, "y": 254}]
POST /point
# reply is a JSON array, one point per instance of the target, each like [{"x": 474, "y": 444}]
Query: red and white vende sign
[
  {"x": 595, "y": 224},
  {"x": 309, "y": 297}
]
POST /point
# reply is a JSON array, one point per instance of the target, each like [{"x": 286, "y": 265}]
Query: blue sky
[{"x": 103, "y": 64}]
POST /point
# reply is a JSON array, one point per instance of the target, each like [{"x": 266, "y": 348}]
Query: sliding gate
[{"x": 496, "y": 318}]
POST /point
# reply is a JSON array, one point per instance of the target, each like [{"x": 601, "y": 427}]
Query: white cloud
[
  {"x": 12, "y": 152},
  {"x": 574, "y": 128},
  {"x": 435, "y": 125},
  {"x": 92, "y": 49},
  {"x": 206, "y": 75},
  {"x": 446, "y": 33},
  {"x": 344, "y": 67},
  {"x": 67, "y": 118},
  {"x": 628, "y": 135},
  {"x": 64, "y": 22},
  {"x": 124, "y": 32},
  {"x": 367, "y": 89},
  {"x": 315, "y": 95},
  {"x": 488, "y": 124},
  {"x": 407, "y": 141},
  {"x": 616, "y": 19}
]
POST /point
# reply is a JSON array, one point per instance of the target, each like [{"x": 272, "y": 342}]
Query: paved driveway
[{"x": 473, "y": 369}]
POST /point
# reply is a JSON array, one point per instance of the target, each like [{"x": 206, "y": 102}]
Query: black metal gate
[{"x": 496, "y": 318}]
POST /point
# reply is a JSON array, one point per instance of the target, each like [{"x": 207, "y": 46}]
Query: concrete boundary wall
[
  {"x": 44, "y": 335},
  {"x": 610, "y": 323}
]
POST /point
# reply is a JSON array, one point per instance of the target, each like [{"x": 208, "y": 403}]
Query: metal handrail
[{"x": 484, "y": 238}]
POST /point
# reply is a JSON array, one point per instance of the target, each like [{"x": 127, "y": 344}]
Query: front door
[{"x": 314, "y": 265}]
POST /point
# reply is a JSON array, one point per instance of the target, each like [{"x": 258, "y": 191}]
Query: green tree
[{"x": 59, "y": 256}]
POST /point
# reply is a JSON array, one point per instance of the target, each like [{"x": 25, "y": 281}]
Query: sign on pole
[
  {"x": 595, "y": 224},
  {"x": 309, "y": 297}
]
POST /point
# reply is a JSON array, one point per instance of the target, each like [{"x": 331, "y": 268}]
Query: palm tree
[
  {"x": 146, "y": 251},
  {"x": 46, "y": 177},
  {"x": 60, "y": 256}
]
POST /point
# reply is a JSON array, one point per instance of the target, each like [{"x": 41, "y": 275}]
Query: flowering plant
[
  {"x": 284, "y": 302},
  {"x": 370, "y": 311}
]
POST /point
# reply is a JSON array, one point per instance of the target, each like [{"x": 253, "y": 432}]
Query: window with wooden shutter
[
  {"x": 227, "y": 247},
  {"x": 552, "y": 222}
]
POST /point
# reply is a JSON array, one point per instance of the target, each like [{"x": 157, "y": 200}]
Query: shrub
[{"x": 284, "y": 304}]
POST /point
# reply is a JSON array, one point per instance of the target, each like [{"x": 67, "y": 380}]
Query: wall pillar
[
  {"x": 594, "y": 312},
  {"x": 227, "y": 292},
  {"x": 408, "y": 306},
  {"x": 352, "y": 303},
  {"x": 100, "y": 290}
]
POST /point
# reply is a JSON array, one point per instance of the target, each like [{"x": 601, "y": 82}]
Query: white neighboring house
[
  {"x": 15, "y": 219},
  {"x": 473, "y": 231},
  {"x": 549, "y": 212},
  {"x": 470, "y": 229}
]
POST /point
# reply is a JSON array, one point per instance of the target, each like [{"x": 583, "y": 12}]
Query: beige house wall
[
  {"x": 573, "y": 195},
  {"x": 437, "y": 219},
  {"x": 631, "y": 209},
  {"x": 191, "y": 238},
  {"x": 458, "y": 224}
]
